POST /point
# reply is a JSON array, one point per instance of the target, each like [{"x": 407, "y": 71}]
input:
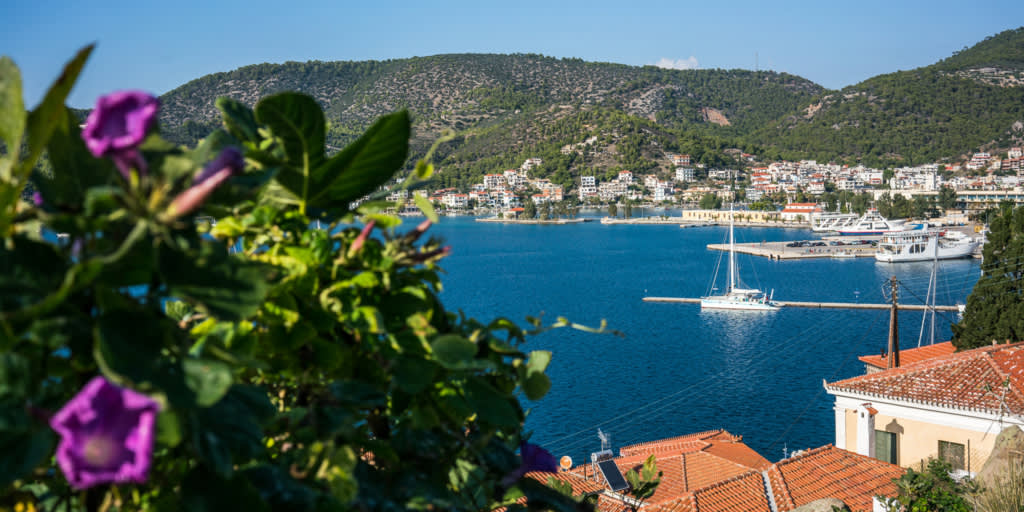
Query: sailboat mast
[{"x": 732, "y": 253}]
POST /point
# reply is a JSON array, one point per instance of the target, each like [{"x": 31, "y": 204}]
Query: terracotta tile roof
[
  {"x": 912, "y": 355},
  {"x": 714, "y": 471},
  {"x": 668, "y": 444},
  {"x": 830, "y": 472},
  {"x": 579, "y": 484},
  {"x": 972, "y": 380}
]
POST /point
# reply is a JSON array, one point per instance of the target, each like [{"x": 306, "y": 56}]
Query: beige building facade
[{"x": 950, "y": 407}]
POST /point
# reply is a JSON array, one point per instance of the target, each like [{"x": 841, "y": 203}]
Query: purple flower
[
  {"x": 534, "y": 458},
  {"x": 37, "y": 199},
  {"x": 227, "y": 164},
  {"x": 106, "y": 435},
  {"x": 118, "y": 125}
]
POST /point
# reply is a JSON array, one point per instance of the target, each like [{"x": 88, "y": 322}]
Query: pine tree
[{"x": 995, "y": 308}]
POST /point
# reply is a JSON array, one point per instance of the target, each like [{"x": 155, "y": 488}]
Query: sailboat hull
[{"x": 736, "y": 303}]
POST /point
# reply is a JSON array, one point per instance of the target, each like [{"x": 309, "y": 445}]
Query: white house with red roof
[
  {"x": 950, "y": 406},
  {"x": 799, "y": 211}
]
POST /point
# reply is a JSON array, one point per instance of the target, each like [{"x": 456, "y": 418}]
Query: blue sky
[{"x": 157, "y": 46}]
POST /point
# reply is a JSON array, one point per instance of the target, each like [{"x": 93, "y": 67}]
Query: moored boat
[
  {"x": 738, "y": 298},
  {"x": 924, "y": 245},
  {"x": 872, "y": 223},
  {"x": 831, "y": 221}
]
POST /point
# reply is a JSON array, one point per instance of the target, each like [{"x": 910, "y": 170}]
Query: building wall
[{"x": 919, "y": 429}]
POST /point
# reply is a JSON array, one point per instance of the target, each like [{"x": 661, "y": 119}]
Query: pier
[
  {"x": 819, "y": 305},
  {"x": 779, "y": 251}
]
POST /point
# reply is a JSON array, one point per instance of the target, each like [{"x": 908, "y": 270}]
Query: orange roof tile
[
  {"x": 830, "y": 472},
  {"x": 971, "y": 379},
  {"x": 912, "y": 355}
]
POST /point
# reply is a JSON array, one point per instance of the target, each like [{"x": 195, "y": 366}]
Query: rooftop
[
  {"x": 969, "y": 380},
  {"x": 912, "y": 355},
  {"x": 715, "y": 471}
]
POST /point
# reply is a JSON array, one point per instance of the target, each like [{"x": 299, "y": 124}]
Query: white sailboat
[{"x": 738, "y": 298}]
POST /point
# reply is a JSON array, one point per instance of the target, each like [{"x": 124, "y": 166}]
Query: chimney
[{"x": 866, "y": 429}]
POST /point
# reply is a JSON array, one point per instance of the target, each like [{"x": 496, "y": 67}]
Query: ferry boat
[
  {"x": 924, "y": 245},
  {"x": 872, "y": 223},
  {"x": 832, "y": 221},
  {"x": 738, "y": 298}
]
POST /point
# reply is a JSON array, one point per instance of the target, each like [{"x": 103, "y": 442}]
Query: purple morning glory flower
[
  {"x": 118, "y": 125},
  {"x": 227, "y": 164},
  {"x": 37, "y": 199},
  {"x": 534, "y": 458},
  {"x": 106, "y": 435}
]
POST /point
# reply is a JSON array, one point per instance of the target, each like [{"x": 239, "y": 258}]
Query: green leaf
[
  {"x": 538, "y": 362},
  {"x": 424, "y": 205},
  {"x": 536, "y": 385},
  {"x": 363, "y": 165},
  {"x": 75, "y": 170},
  {"x": 46, "y": 116},
  {"x": 206, "y": 491},
  {"x": 238, "y": 119},
  {"x": 489, "y": 404},
  {"x": 168, "y": 428},
  {"x": 413, "y": 375},
  {"x": 208, "y": 378},
  {"x": 451, "y": 350},
  {"x": 222, "y": 286},
  {"x": 15, "y": 376},
  {"x": 21, "y": 453},
  {"x": 299, "y": 123},
  {"x": 12, "y": 114}
]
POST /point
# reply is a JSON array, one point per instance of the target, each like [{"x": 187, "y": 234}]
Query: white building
[
  {"x": 626, "y": 177},
  {"x": 684, "y": 174},
  {"x": 494, "y": 181}
]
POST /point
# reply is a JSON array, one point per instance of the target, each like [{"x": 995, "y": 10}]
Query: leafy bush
[{"x": 251, "y": 363}]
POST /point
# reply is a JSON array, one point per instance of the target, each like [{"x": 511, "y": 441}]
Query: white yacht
[
  {"x": 872, "y": 223},
  {"x": 738, "y": 298},
  {"x": 924, "y": 245},
  {"x": 832, "y": 221}
]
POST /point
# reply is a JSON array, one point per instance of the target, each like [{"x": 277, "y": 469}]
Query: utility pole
[{"x": 894, "y": 335}]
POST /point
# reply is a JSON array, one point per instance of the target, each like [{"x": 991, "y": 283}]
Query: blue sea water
[{"x": 677, "y": 369}]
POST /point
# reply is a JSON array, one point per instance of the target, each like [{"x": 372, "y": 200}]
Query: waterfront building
[
  {"x": 949, "y": 406},
  {"x": 799, "y": 211},
  {"x": 625, "y": 177},
  {"x": 513, "y": 178}
]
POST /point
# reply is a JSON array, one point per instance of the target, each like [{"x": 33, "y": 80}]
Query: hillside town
[{"x": 980, "y": 182}]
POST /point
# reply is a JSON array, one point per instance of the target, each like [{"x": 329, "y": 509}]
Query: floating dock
[{"x": 820, "y": 305}]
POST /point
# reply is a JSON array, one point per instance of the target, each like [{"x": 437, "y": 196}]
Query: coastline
[{"x": 556, "y": 222}]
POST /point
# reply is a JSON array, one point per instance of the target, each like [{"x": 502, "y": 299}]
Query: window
[
  {"x": 885, "y": 446},
  {"x": 953, "y": 453}
]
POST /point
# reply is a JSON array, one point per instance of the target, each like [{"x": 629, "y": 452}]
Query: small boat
[
  {"x": 872, "y": 223},
  {"x": 738, "y": 298},
  {"x": 924, "y": 245}
]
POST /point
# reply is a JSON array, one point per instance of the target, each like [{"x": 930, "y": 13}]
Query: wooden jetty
[{"x": 819, "y": 305}]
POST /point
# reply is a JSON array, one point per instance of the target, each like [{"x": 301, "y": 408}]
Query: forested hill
[
  {"x": 972, "y": 100},
  {"x": 505, "y": 108},
  {"x": 484, "y": 98}
]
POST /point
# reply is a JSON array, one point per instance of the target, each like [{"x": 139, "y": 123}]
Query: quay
[
  {"x": 779, "y": 251},
  {"x": 576, "y": 220},
  {"x": 819, "y": 305}
]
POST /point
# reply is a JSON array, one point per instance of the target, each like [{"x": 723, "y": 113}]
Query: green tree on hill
[
  {"x": 995, "y": 308},
  {"x": 710, "y": 202}
]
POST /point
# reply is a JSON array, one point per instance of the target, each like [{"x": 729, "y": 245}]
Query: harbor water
[{"x": 677, "y": 369}]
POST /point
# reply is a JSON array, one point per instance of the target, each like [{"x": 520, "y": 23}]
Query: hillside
[
  {"x": 502, "y": 106},
  {"x": 972, "y": 100}
]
